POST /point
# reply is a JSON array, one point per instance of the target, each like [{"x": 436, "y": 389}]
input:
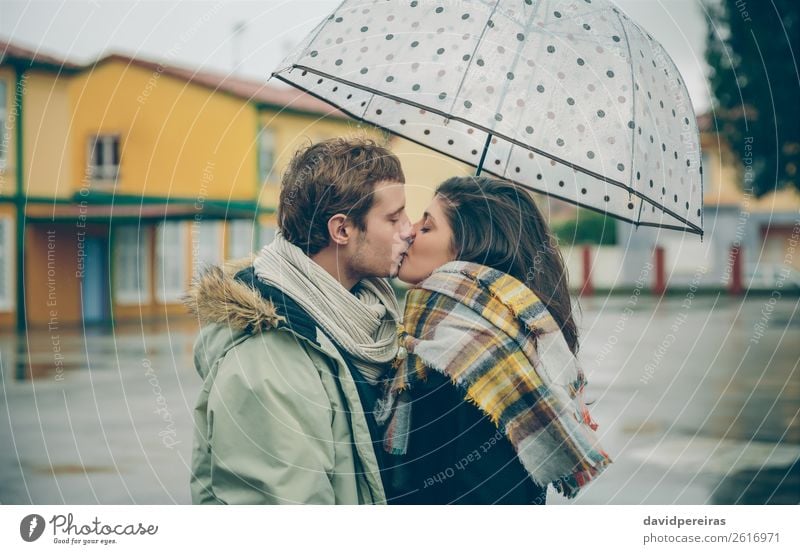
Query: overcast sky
[{"x": 200, "y": 34}]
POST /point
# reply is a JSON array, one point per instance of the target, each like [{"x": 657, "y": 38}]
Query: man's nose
[{"x": 407, "y": 231}]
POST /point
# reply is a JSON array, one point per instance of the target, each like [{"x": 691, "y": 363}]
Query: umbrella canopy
[{"x": 565, "y": 97}]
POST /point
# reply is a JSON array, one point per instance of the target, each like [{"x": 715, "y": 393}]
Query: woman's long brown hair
[{"x": 497, "y": 224}]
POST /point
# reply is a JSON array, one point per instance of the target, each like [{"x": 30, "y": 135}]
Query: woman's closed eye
[{"x": 426, "y": 224}]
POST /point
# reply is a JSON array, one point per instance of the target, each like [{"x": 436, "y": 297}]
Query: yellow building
[
  {"x": 133, "y": 175},
  {"x": 34, "y": 122}
]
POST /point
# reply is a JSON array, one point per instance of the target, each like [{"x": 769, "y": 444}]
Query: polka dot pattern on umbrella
[{"x": 580, "y": 102}]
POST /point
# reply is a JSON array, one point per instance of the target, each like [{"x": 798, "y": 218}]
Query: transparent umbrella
[{"x": 569, "y": 98}]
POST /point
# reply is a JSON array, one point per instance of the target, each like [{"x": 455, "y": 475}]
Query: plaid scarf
[{"x": 495, "y": 340}]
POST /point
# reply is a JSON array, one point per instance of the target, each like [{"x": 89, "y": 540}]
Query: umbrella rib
[
  {"x": 319, "y": 28},
  {"x": 633, "y": 113},
  {"x": 526, "y": 31},
  {"x": 472, "y": 57},
  {"x": 402, "y": 100}
]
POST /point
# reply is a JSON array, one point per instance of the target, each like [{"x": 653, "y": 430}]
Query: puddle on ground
[
  {"x": 769, "y": 485},
  {"x": 69, "y": 469}
]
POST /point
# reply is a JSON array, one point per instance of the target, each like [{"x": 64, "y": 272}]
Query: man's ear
[{"x": 339, "y": 229}]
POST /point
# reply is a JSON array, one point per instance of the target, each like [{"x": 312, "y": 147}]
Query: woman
[{"x": 486, "y": 405}]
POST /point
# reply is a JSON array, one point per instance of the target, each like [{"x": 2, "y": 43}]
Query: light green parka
[{"x": 279, "y": 419}]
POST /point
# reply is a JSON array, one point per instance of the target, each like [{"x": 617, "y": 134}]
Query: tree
[
  {"x": 587, "y": 227},
  {"x": 752, "y": 51}
]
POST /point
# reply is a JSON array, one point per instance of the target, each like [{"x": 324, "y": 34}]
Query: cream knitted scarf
[{"x": 362, "y": 322}]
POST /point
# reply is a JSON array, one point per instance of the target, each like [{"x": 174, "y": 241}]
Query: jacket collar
[
  {"x": 291, "y": 314},
  {"x": 216, "y": 297},
  {"x": 232, "y": 295}
]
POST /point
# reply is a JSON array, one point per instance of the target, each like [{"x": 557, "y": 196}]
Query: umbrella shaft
[{"x": 483, "y": 154}]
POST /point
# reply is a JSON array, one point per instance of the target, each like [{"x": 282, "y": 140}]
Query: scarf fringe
[{"x": 571, "y": 485}]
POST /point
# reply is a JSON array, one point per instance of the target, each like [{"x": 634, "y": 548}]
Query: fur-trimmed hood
[
  {"x": 228, "y": 311},
  {"x": 218, "y": 297}
]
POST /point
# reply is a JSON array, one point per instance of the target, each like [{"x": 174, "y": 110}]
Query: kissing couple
[{"x": 318, "y": 388}]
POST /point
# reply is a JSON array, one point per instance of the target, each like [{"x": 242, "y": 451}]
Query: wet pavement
[{"x": 697, "y": 399}]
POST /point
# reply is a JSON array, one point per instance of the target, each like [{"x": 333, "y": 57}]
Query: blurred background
[{"x": 141, "y": 142}]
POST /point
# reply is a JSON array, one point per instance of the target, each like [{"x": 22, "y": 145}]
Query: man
[{"x": 293, "y": 344}]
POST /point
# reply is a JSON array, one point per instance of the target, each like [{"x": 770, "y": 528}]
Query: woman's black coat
[{"x": 456, "y": 455}]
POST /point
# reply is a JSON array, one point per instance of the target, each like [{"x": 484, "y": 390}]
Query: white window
[
  {"x": 5, "y": 136},
  {"x": 104, "y": 157},
  {"x": 131, "y": 264},
  {"x": 266, "y": 154},
  {"x": 266, "y": 234},
  {"x": 240, "y": 239},
  {"x": 206, "y": 245},
  {"x": 171, "y": 259},
  {"x": 6, "y": 264}
]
